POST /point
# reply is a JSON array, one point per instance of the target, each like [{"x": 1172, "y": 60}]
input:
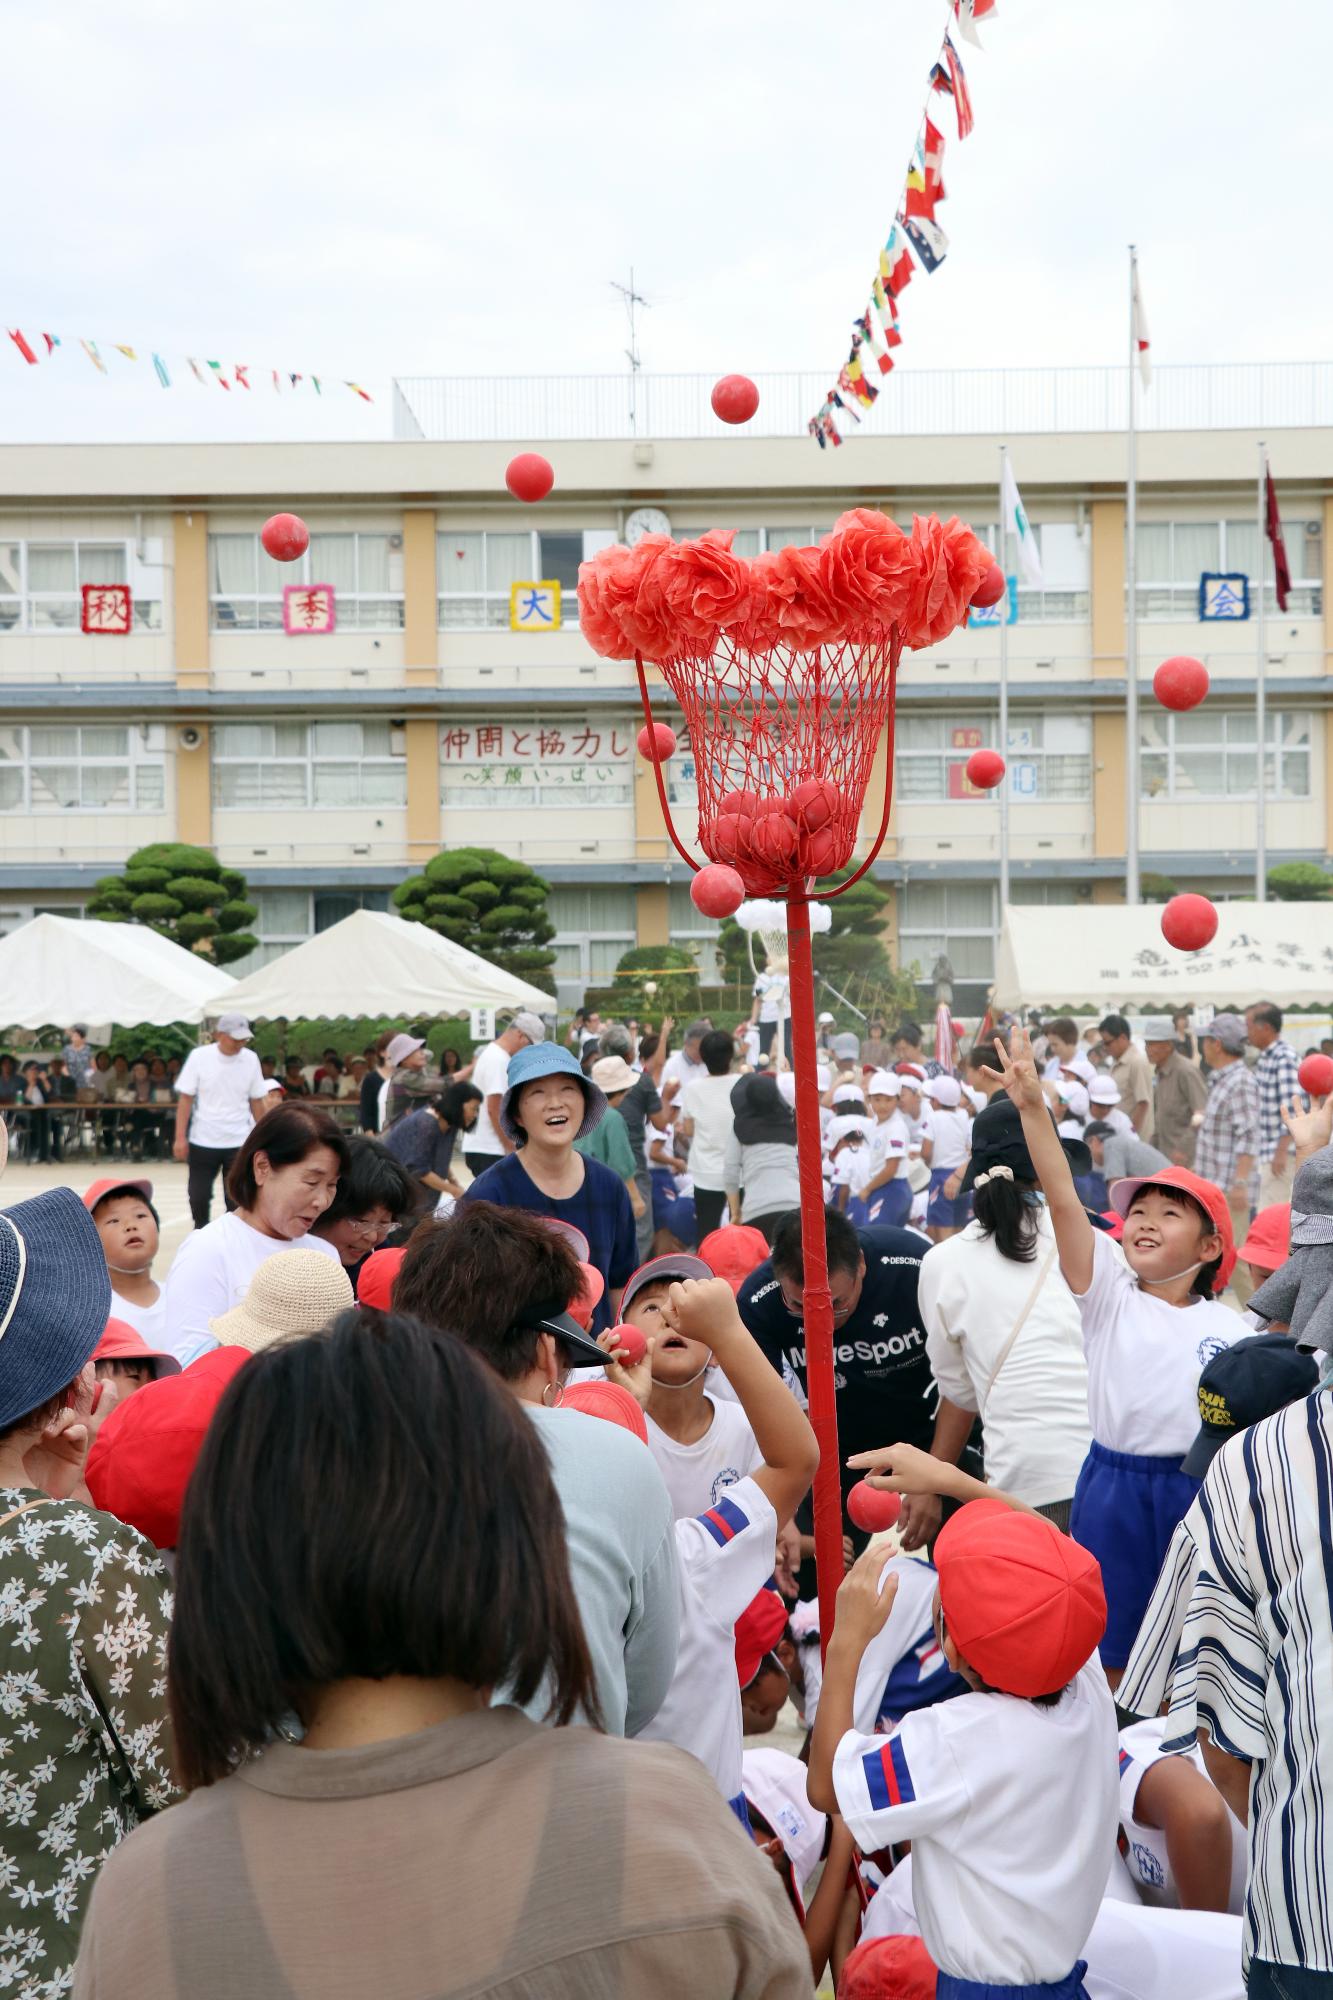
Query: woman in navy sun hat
[
  {"x": 84, "y": 1600},
  {"x": 549, "y": 1103}
]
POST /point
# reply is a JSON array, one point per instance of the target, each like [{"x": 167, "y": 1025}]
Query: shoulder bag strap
[
  {"x": 14, "y": 1512},
  {"x": 1018, "y": 1325}
]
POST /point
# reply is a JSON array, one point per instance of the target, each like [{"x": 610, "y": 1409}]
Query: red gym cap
[
  {"x": 733, "y": 1252},
  {"x": 758, "y": 1630},
  {"x": 115, "y": 1184},
  {"x": 888, "y": 1968},
  {"x": 608, "y": 1401},
  {"x": 122, "y": 1342},
  {"x": 142, "y": 1457},
  {"x": 1209, "y": 1197},
  {"x": 1023, "y": 1603},
  {"x": 1268, "y": 1242},
  {"x": 587, "y": 1299},
  {"x": 376, "y": 1279}
]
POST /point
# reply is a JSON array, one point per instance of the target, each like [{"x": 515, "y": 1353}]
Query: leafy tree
[
  {"x": 1156, "y": 888},
  {"x": 670, "y": 969},
  {"x": 479, "y": 898},
  {"x": 1300, "y": 882},
  {"x": 185, "y": 894}
]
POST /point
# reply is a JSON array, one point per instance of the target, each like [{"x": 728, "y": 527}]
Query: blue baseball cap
[
  {"x": 55, "y": 1298},
  {"x": 548, "y": 1059},
  {"x": 1248, "y": 1381}
]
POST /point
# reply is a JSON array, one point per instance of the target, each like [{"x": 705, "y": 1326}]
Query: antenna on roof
[{"x": 633, "y": 300}]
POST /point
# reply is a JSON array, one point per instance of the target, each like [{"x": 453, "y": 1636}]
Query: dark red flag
[{"x": 1273, "y": 525}]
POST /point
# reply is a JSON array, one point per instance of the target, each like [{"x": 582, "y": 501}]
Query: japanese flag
[{"x": 1139, "y": 332}]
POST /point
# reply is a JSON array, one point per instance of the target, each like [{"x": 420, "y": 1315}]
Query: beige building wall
[
  {"x": 194, "y": 787},
  {"x": 652, "y": 922},
  {"x": 421, "y": 640},
  {"x": 190, "y": 567},
  {"x": 423, "y": 789}
]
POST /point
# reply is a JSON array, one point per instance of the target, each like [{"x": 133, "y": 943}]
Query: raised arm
[{"x": 1073, "y": 1231}]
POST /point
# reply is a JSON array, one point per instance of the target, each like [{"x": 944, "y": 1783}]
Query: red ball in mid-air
[
  {"x": 1189, "y": 922},
  {"x": 735, "y": 399},
  {"x": 632, "y": 1340},
  {"x": 1180, "y": 682},
  {"x": 871, "y": 1508},
  {"x": 1315, "y": 1075},
  {"x": 717, "y": 891},
  {"x": 529, "y": 476},
  {"x": 285, "y": 537},
  {"x": 664, "y": 738},
  {"x": 991, "y": 588},
  {"x": 984, "y": 768}
]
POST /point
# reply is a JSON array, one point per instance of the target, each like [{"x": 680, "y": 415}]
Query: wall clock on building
[{"x": 646, "y": 521}]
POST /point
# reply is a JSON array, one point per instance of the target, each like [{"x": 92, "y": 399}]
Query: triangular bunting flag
[{"x": 22, "y": 346}]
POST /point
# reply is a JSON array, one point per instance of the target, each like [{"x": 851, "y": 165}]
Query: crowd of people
[{"x": 442, "y": 1512}]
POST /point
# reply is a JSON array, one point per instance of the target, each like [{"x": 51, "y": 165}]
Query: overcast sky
[{"x": 414, "y": 188}]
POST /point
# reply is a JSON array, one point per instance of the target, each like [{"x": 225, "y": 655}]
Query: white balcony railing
[{"x": 1273, "y": 395}]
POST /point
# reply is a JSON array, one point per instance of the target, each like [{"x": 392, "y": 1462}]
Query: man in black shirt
[{"x": 885, "y": 1391}]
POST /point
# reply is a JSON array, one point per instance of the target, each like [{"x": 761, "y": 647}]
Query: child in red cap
[
  {"x": 1150, "y": 1323},
  {"x": 1007, "y": 1793}
]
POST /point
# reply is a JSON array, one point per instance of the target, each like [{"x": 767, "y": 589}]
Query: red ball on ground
[
  {"x": 630, "y": 1338},
  {"x": 664, "y": 738},
  {"x": 991, "y": 588},
  {"x": 1315, "y": 1075},
  {"x": 1189, "y": 922},
  {"x": 529, "y": 476},
  {"x": 717, "y": 891},
  {"x": 984, "y": 768},
  {"x": 735, "y": 399},
  {"x": 871, "y": 1508},
  {"x": 775, "y": 841},
  {"x": 744, "y": 803},
  {"x": 1180, "y": 682},
  {"x": 285, "y": 537},
  {"x": 813, "y": 803}
]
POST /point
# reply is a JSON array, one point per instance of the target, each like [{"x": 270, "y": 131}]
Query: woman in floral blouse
[{"x": 85, "y": 1749}]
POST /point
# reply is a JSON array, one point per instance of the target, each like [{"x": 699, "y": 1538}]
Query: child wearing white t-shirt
[
  {"x": 1182, "y": 1844},
  {"x": 702, "y": 1443},
  {"x": 1008, "y": 1792},
  {"x": 1150, "y": 1322},
  {"x": 888, "y": 1194},
  {"x": 951, "y": 1144},
  {"x": 726, "y": 1553}
]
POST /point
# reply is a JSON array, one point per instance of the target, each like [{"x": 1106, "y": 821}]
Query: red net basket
[{"x": 784, "y": 742}]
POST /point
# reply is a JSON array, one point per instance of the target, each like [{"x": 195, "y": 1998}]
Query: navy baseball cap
[
  {"x": 55, "y": 1298},
  {"x": 1245, "y": 1382}
]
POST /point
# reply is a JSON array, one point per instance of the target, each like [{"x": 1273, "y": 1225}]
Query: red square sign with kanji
[{"x": 107, "y": 609}]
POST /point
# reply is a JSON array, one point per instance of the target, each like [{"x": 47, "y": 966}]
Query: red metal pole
[{"x": 818, "y": 1318}]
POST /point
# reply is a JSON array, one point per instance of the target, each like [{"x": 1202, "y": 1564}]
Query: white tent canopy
[
  {"x": 1104, "y": 955},
  {"x": 58, "y": 970},
  {"x": 372, "y": 964}
]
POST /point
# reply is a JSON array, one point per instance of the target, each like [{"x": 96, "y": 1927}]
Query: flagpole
[
  {"x": 1260, "y": 696},
  {"x": 1003, "y": 745},
  {"x": 1131, "y": 623}
]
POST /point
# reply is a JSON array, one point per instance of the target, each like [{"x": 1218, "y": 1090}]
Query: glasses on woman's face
[{"x": 368, "y": 1228}]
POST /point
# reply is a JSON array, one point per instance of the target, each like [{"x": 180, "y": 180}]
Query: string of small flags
[
  {"x": 229, "y": 376},
  {"x": 916, "y": 230}
]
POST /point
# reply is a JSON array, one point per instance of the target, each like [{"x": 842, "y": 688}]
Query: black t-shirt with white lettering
[{"x": 885, "y": 1391}]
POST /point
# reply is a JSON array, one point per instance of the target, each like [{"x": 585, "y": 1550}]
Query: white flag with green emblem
[{"x": 1017, "y": 523}]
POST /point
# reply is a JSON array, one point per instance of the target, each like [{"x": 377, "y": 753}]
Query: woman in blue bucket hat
[
  {"x": 549, "y": 1103},
  {"x": 84, "y": 1601}
]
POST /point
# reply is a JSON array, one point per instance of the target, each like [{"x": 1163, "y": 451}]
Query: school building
[{"x": 328, "y": 741}]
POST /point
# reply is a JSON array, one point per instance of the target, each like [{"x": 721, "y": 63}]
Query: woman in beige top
[{"x": 370, "y": 1545}]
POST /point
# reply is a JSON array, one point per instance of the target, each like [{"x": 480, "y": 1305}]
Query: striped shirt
[
  {"x": 1276, "y": 1074},
  {"x": 1239, "y": 1636},
  {"x": 1230, "y": 1128}
]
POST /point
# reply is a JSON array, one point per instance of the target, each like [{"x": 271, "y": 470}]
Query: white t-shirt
[
  {"x": 775, "y": 1786},
  {"x": 1144, "y": 1358},
  {"x": 905, "y": 1645},
  {"x": 1132, "y": 1953},
  {"x": 891, "y": 1142},
  {"x": 725, "y": 1556},
  {"x": 707, "y": 1101},
  {"x": 1036, "y": 1416},
  {"x": 1118, "y": 1120},
  {"x": 1145, "y": 1846},
  {"x": 919, "y": 1129},
  {"x": 697, "y": 1474},
  {"x": 773, "y": 989},
  {"x": 952, "y": 1131},
  {"x": 854, "y": 1167},
  {"x": 221, "y": 1087},
  {"x": 679, "y": 1069},
  {"x": 211, "y": 1273},
  {"x": 1011, "y": 1810},
  {"x": 490, "y": 1074},
  {"x": 149, "y": 1322}
]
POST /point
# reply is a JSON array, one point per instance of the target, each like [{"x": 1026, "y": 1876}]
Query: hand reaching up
[{"x": 1021, "y": 1079}]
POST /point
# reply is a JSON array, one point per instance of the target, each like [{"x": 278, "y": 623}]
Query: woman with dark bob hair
[
  {"x": 503, "y": 1280},
  {"x": 375, "y": 1196},
  {"x": 362, "y": 1818},
  {"x": 282, "y": 1181}
]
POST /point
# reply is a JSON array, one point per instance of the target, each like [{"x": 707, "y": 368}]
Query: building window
[
  {"x": 549, "y": 761},
  {"x": 1210, "y": 754},
  {"x": 1065, "y": 550},
  {"x": 98, "y": 769},
  {"x": 40, "y": 582},
  {"x": 1171, "y": 556},
  {"x": 474, "y": 572},
  {"x": 594, "y": 928},
  {"x": 1049, "y": 757},
  {"x": 366, "y": 571},
  {"x": 328, "y": 766},
  {"x": 287, "y": 917},
  {"x": 959, "y": 919}
]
